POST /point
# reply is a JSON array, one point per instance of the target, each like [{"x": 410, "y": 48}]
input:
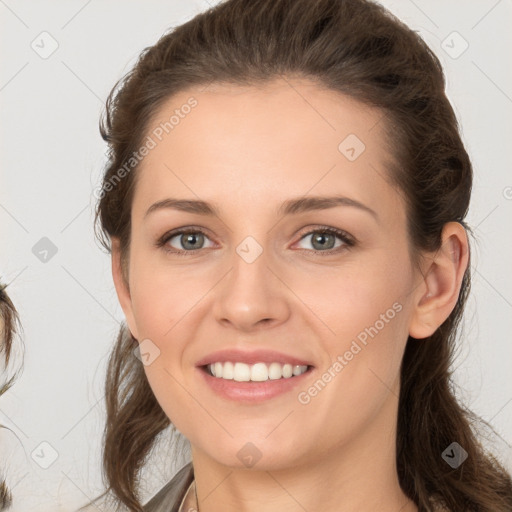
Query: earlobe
[
  {"x": 441, "y": 282},
  {"x": 122, "y": 287}
]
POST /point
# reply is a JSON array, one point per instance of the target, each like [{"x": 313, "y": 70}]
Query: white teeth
[
  {"x": 258, "y": 372},
  {"x": 275, "y": 371},
  {"x": 297, "y": 370},
  {"x": 241, "y": 372},
  {"x": 227, "y": 370}
]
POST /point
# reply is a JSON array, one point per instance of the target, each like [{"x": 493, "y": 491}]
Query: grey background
[{"x": 51, "y": 159}]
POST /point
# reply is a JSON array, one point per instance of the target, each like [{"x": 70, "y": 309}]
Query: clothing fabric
[
  {"x": 189, "y": 503},
  {"x": 176, "y": 496}
]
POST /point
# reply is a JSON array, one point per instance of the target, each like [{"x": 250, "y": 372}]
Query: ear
[
  {"x": 121, "y": 284},
  {"x": 439, "y": 289}
]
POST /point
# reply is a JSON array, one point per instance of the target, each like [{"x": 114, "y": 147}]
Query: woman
[
  {"x": 9, "y": 324},
  {"x": 284, "y": 203}
]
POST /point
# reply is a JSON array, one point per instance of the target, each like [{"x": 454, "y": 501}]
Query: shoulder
[{"x": 168, "y": 498}]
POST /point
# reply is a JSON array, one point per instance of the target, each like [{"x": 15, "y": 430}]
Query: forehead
[{"x": 287, "y": 137}]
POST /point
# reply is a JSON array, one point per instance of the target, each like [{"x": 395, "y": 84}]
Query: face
[{"x": 295, "y": 259}]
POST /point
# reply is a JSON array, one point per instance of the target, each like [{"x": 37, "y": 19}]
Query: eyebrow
[{"x": 289, "y": 207}]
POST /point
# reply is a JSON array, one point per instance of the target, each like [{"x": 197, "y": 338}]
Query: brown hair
[
  {"x": 9, "y": 325},
  {"x": 357, "y": 48}
]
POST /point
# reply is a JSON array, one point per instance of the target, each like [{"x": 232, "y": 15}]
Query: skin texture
[{"x": 247, "y": 150}]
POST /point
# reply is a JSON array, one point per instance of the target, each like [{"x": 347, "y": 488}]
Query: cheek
[
  {"x": 168, "y": 303},
  {"x": 163, "y": 294},
  {"x": 175, "y": 399},
  {"x": 365, "y": 307},
  {"x": 368, "y": 315},
  {"x": 364, "y": 294}
]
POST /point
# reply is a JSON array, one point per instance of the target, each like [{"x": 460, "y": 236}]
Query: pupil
[
  {"x": 190, "y": 239},
  {"x": 320, "y": 238}
]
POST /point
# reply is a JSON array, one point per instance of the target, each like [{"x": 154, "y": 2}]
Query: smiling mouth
[{"x": 259, "y": 372}]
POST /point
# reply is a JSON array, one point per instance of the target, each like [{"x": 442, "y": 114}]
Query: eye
[
  {"x": 188, "y": 240},
  {"x": 324, "y": 240}
]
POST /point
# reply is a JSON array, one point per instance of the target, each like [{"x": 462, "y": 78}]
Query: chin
[{"x": 256, "y": 455}]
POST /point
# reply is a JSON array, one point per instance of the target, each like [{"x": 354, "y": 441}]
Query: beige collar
[{"x": 189, "y": 502}]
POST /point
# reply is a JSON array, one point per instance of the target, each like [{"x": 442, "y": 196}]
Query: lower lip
[{"x": 252, "y": 392}]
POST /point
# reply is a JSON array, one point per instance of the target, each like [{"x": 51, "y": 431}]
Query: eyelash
[{"x": 348, "y": 240}]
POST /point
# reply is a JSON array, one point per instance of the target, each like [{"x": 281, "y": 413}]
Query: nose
[{"x": 251, "y": 296}]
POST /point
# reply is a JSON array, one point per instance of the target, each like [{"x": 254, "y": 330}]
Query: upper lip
[{"x": 251, "y": 357}]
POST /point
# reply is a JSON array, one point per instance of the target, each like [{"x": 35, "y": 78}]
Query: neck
[{"x": 357, "y": 476}]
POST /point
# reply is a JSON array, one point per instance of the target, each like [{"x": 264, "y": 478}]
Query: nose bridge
[
  {"x": 250, "y": 263},
  {"x": 251, "y": 292}
]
